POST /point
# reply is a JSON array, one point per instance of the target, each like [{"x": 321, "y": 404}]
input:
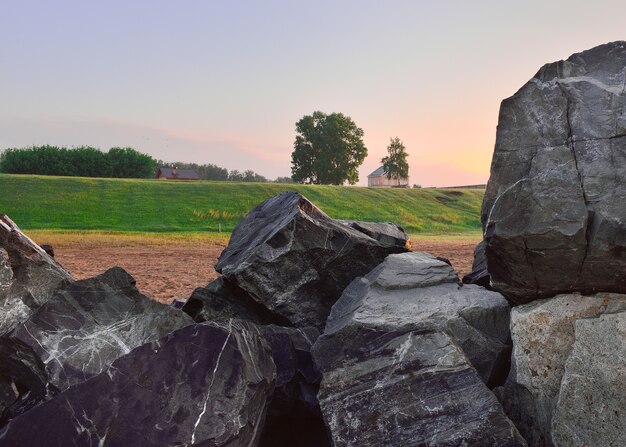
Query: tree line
[
  {"x": 87, "y": 161},
  {"x": 83, "y": 161}
]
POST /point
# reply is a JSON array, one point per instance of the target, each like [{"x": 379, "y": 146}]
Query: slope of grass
[{"x": 120, "y": 205}]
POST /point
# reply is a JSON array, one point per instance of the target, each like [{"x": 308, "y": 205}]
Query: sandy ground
[{"x": 165, "y": 272}]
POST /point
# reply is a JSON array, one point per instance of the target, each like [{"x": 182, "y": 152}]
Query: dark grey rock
[
  {"x": 295, "y": 260},
  {"x": 28, "y": 275},
  {"x": 590, "y": 406},
  {"x": 206, "y": 384},
  {"x": 386, "y": 233},
  {"x": 81, "y": 331},
  {"x": 407, "y": 389},
  {"x": 221, "y": 300},
  {"x": 398, "y": 356},
  {"x": 479, "y": 274},
  {"x": 415, "y": 291},
  {"x": 553, "y": 215},
  {"x": 8, "y": 394},
  {"x": 177, "y": 303},
  {"x": 294, "y": 416},
  {"x": 297, "y": 377}
]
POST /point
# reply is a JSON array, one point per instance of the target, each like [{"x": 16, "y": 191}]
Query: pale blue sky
[{"x": 225, "y": 82}]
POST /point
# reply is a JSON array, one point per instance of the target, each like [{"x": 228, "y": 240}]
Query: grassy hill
[{"x": 120, "y": 205}]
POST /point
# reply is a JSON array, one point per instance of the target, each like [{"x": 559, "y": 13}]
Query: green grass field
[{"x": 120, "y": 205}]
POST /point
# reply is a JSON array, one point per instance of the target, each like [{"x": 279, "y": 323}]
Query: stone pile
[{"x": 330, "y": 333}]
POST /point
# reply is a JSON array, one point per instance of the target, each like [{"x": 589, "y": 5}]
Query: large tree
[
  {"x": 328, "y": 149},
  {"x": 395, "y": 163}
]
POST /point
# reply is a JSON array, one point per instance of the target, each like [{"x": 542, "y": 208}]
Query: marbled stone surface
[
  {"x": 295, "y": 260},
  {"x": 408, "y": 389},
  {"x": 553, "y": 214},
  {"x": 415, "y": 291},
  {"x": 28, "y": 276},
  {"x": 590, "y": 410},
  {"x": 82, "y": 330},
  {"x": 205, "y": 384},
  {"x": 543, "y": 336}
]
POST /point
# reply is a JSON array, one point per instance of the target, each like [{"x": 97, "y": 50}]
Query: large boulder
[
  {"x": 417, "y": 292},
  {"x": 295, "y": 260},
  {"x": 405, "y": 356},
  {"x": 80, "y": 332},
  {"x": 408, "y": 389},
  {"x": 553, "y": 214},
  {"x": 205, "y": 384},
  {"x": 543, "y": 338},
  {"x": 28, "y": 275},
  {"x": 590, "y": 408}
]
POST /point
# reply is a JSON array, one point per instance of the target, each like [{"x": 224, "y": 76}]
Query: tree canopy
[
  {"x": 395, "y": 164},
  {"x": 84, "y": 161},
  {"x": 328, "y": 149}
]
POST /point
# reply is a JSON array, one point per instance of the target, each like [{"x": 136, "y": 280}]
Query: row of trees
[
  {"x": 84, "y": 161},
  {"x": 214, "y": 172},
  {"x": 329, "y": 149}
]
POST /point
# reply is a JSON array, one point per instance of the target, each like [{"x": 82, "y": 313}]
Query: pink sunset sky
[{"x": 225, "y": 82}]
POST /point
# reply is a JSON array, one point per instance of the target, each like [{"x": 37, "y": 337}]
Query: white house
[{"x": 378, "y": 179}]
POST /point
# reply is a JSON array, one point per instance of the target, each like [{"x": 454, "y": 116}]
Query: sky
[{"x": 224, "y": 82}]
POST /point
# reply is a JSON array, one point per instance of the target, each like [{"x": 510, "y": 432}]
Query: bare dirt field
[{"x": 168, "y": 270}]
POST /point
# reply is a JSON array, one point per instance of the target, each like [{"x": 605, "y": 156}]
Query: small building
[
  {"x": 176, "y": 174},
  {"x": 378, "y": 179}
]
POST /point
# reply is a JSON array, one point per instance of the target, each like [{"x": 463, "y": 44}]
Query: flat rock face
[
  {"x": 295, "y": 260},
  {"x": 553, "y": 215},
  {"x": 408, "y": 389},
  {"x": 205, "y": 384},
  {"x": 82, "y": 330},
  {"x": 590, "y": 407},
  {"x": 28, "y": 276},
  {"x": 415, "y": 291},
  {"x": 543, "y": 336}
]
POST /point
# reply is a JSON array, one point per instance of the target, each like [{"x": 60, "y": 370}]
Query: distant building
[
  {"x": 176, "y": 174},
  {"x": 378, "y": 179}
]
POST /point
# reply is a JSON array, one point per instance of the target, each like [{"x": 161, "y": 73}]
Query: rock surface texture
[
  {"x": 417, "y": 292},
  {"x": 409, "y": 389},
  {"x": 295, "y": 260},
  {"x": 543, "y": 337},
  {"x": 397, "y": 359},
  {"x": 28, "y": 276},
  {"x": 206, "y": 384},
  {"x": 553, "y": 215},
  {"x": 590, "y": 408},
  {"x": 82, "y": 330}
]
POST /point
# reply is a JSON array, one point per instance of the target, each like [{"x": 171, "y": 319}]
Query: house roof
[
  {"x": 378, "y": 172},
  {"x": 179, "y": 174}
]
